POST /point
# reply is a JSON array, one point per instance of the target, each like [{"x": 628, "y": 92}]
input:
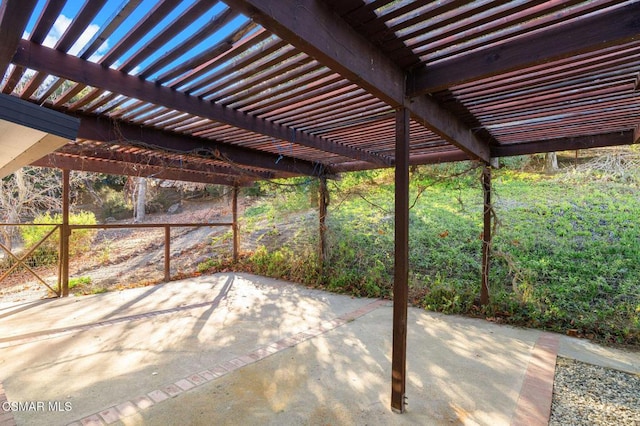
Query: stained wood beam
[
  {"x": 416, "y": 160},
  {"x": 313, "y": 28},
  {"x": 50, "y": 61},
  {"x": 183, "y": 162},
  {"x": 64, "y": 161},
  {"x": 14, "y": 15},
  {"x": 560, "y": 144},
  {"x": 607, "y": 28},
  {"x": 104, "y": 130},
  {"x": 566, "y": 144},
  {"x": 401, "y": 264}
]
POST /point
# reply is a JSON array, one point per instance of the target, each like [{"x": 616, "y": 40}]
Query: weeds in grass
[
  {"x": 565, "y": 257},
  {"x": 79, "y": 281}
]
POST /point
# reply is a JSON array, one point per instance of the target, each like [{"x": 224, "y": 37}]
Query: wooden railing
[
  {"x": 21, "y": 260},
  {"x": 63, "y": 255}
]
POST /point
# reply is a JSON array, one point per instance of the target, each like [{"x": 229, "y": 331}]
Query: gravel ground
[{"x": 585, "y": 394}]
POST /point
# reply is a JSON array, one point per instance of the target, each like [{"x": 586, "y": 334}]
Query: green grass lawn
[{"x": 566, "y": 252}]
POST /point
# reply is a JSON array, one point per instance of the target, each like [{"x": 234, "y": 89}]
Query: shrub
[
  {"x": 115, "y": 204},
  {"x": 47, "y": 254},
  {"x": 282, "y": 263}
]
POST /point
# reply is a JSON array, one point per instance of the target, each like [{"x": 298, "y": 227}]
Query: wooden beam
[
  {"x": 401, "y": 270},
  {"x": 416, "y": 160},
  {"x": 50, "y": 61},
  {"x": 104, "y": 130},
  {"x": 313, "y": 28},
  {"x": 426, "y": 111},
  {"x": 184, "y": 162},
  {"x": 565, "y": 144},
  {"x": 536, "y": 147},
  {"x": 14, "y": 15},
  {"x": 486, "y": 235},
  {"x": 132, "y": 169},
  {"x": 601, "y": 30}
]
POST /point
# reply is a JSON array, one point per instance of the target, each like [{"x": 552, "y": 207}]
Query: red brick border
[
  {"x": 534, "y": 403},
  {"x": 6, "y": 417}
]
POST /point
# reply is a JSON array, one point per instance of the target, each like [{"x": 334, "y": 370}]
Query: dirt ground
[{"x": 122, "y": 258}]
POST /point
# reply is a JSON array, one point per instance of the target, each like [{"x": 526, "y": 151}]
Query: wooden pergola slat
[
  {"x": 57, "y": 63},
  {"x": 314, "y": 29},
  {"x": 14, "y": 15},
  {"x": 613, "y": 27}
]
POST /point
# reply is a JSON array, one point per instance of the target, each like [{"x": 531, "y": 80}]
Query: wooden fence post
[
  {"x": 167, "y": 253},
  {"x": 236, "y": 241},
  {"x": 65, "y": 234}
]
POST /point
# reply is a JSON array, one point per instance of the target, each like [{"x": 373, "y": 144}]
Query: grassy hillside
[{"x": 566, "y": 254}]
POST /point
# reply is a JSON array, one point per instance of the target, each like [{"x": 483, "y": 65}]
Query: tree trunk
[
  {"x": 141, "y": 199},
  {"x": 550, "y": 162}
]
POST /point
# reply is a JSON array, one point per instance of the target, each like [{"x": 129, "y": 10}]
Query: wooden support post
[
  {"x": 401, "y": 278},
  {"x": 65, "y": 234},
  {"x": 234, "y": 207},
  {"x": 486, "y": 235},
  {"x": 322, "y": 216},
  {"x": 60, "y": 250},
  {"x": 167, "y": 253}
]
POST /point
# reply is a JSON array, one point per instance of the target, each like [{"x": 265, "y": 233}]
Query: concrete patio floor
[{"x": 237, "y": 348}]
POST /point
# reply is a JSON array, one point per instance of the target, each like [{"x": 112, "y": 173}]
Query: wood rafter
[
  {"x": 565, "y": 144},
  {"x": 416, "y": 160},
  {"x": 559, "y": 144},
  {"x": 104, "y": 130},
  {"x": 73, "y": 162},
  {"x": 14, "y": 15},
  {"x": 184, "y": 162},
  {"x": 313, "y": 28},
  {"x": 70, "y": 67},
  {"x": 589, "y": 34}
]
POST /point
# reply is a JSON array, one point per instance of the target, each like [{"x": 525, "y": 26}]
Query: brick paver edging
[
  {"x": 534, "y": 403},
  {"x": 127, "y": 408}
]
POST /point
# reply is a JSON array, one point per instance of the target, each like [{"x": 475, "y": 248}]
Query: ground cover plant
[{"x": 565, "y": 254}]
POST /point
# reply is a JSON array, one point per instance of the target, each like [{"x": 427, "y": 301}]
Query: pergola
[{"x": 241, "y": 90}]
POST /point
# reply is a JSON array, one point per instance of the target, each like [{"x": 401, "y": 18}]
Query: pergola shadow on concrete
[
  {"x": 237, "y": 348},
  {"x": 235, "y": 91}
]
